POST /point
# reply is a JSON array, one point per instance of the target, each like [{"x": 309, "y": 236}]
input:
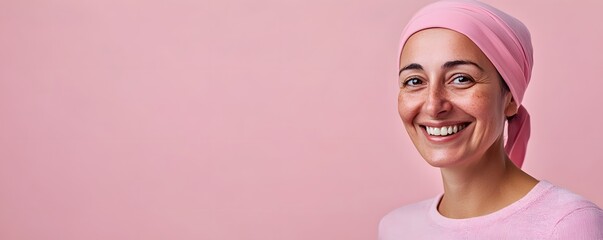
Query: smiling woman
[
  {"x": 451, "y": 90},
  {"x": 464, "y": 67}
]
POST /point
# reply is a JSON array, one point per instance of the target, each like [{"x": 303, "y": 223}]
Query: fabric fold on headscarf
[{"x": 502, "y": 38}]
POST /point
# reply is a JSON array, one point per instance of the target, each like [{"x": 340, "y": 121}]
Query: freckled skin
[{"x": 441, "y": 98}]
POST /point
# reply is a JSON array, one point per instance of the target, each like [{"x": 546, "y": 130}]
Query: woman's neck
[{"x": 486, "y": 186}]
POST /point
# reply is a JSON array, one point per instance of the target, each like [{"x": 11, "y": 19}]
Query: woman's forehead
[{"x": 439, "y": 45}]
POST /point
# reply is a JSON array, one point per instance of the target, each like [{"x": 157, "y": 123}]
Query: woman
[{"x": 464, "y": 67}]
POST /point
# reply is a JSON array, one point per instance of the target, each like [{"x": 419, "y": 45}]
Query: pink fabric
[
  {"x": 502, "y": 38},
  {"x": 546, "y": 212}
]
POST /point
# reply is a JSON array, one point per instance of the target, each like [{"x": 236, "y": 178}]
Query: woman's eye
[
  {"x": 412, "y": 82},
  {"x": 462, "y": 80}
]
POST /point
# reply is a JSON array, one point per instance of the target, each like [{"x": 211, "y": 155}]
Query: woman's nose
[{"x": 436, "y": 105}]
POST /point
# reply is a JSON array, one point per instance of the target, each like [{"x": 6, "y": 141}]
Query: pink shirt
[{"x": 546, "y": 212}]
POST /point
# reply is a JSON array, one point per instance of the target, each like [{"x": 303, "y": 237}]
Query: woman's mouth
[{"x": 445, "y": 130}]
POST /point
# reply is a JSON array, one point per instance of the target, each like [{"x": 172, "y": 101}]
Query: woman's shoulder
[
  {"x": 574, "y": 216},
  {"x": 413, "y": 209},
  {"x": 581, "y": 223},
  {"x": 562, "y": 201},
  {"x": 411, "y": 216}
]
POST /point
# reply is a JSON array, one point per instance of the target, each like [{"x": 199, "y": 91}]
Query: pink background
[{"x": 255, "y": 119}]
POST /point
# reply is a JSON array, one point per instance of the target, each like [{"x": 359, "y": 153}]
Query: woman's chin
[{"x": 442, "y": 160}]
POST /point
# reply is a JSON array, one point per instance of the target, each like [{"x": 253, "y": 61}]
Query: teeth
[{"x": 444, "y": 131}]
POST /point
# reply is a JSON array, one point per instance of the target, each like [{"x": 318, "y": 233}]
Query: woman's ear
[{"x": 511, "y": 107}]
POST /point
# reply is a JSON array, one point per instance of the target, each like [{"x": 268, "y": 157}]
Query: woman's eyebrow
[
  {"x": 411, "y": 66},
  {"x": 451, "y": 64}
]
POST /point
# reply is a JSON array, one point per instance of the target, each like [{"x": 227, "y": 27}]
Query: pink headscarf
[{"x": 503, "y": 39}]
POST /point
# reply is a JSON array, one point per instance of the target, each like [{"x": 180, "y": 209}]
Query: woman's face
[{"x": 451, "y": 99}]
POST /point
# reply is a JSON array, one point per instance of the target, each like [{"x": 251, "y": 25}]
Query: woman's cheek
[{"x": 408, "y": 106}]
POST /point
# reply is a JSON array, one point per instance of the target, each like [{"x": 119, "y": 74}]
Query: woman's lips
[
  {"x": 444, "y": 133},
  {"x": 445, "y": 130}
]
